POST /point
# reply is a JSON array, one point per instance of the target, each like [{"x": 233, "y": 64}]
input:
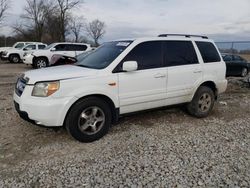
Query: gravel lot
[{"x": 162, "y": 148}]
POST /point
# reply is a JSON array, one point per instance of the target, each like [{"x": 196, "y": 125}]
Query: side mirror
[
  {"x": 129, "y": 66},
  {"x": 53, "y": 49}
]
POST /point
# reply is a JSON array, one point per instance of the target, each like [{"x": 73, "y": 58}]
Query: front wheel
[
  {"x": 14, "y": 59},
  {"x": 89, "y": 119},
  {"x": 40, "y": 62},
  {"x": 202, "y": 103},
  {"x": 244, "y": 72}
]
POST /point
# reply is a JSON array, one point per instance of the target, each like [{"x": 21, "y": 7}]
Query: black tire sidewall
[
  {"x": 193, "y": 106},
  {"x": 71, "y": 122},
  {"x": 40, "y": 58},
  {"x": 11, "y": 58}
]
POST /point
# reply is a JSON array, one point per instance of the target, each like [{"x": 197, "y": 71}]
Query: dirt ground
[{"x": 157, "y": 148}]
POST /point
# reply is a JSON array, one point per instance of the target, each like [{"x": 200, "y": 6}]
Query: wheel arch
[
  {"x": 114, "y": 111},
  {"x": 212, "y": 86}
]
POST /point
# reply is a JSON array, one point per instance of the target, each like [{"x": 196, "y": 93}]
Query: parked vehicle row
[
  {"x": 118, "y": 78},
  {"x": 42, "y": 58},
  {"x": 39, "y": 55},
  {"x": 15, "y": 55}
]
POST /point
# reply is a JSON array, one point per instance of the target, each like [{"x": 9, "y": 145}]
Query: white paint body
[
  {"x": 134, "y": 91},
  {"x": 21, "y": 51},
  {"x": 48, "y": 53}
]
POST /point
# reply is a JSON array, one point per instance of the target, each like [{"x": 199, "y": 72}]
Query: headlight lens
[{"x": 45, "y": 89}]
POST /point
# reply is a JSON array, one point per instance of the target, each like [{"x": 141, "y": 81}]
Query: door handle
[
  {"x": 160, "y": 76},
  {"x": 197, "y": 71}
]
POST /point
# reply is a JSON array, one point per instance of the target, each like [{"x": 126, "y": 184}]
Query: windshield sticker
[{"x": 125, "y": 44}]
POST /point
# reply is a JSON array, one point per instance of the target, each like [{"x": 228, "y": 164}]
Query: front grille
[{"x": 20, "y": 86}]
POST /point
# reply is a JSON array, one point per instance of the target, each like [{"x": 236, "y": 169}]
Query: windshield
[
  {"x": 18, "y": 45},
  {"x": 50, "y": 46},
  {"x": 104, "y": 55}
]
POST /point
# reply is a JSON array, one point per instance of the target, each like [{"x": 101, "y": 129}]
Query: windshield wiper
[{"x": 85, "y": 66}]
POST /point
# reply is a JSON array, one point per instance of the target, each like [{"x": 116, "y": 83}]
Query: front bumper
[
  {"x": 22, "y": 114},
  {"x": 49, "y": 111},
  {"x": 28, "y": 59}
]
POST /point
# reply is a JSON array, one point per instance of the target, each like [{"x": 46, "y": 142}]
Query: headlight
[{"x": 45, "y": 89}]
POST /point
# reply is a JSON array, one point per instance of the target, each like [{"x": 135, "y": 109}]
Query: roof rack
[{"x": 183, "y": 35}]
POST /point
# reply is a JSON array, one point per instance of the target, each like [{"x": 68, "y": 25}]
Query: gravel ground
[{"x": 161, "y": 148}]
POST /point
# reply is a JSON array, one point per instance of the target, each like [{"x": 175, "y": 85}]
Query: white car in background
[
  {"x": 42, "y": 58},
  {"x": 17, "y": 45},
  {"x": 15, "y": 55}
]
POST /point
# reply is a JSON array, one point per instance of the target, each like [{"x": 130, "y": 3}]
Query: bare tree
[
  {"x": 76, "y": 27},
  {"x": 64, "y": 14},
  {"x": 96, "y": 30},
  {"x": 36, "y": 12},
  {"x": 4, "y": 6}
]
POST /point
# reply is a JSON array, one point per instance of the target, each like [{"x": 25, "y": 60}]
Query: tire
[
  {"x": 202, "y": 102},
  {"x": 244, "y": 72},
  {"x": 40, "y": 62},
  {"x": 89, "y": 119},
  {"x": 14, "y": 58}
]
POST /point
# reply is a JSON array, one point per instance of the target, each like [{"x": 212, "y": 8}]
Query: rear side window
[
  {"x": 60, "y": 47},
  {"x": 208, "y": 52},
  {"x": 80, "y": 47},
  {"x": 147, "y": 54},
  {"x": 179, "y": 53},
  {"x": 40, "y": 46}
]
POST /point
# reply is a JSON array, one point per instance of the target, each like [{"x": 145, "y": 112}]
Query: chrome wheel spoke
[
  {"x": 91, "y": 120},
  {"x": 84, "y": 115},
  {"x": 100, "y": 119},
  {"x": 94, "y": 112}
]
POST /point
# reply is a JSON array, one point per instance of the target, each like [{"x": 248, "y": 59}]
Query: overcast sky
[{"x": 220, "y": 19}]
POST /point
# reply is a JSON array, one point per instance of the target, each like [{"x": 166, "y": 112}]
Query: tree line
[{"x": 53, "y": 21}]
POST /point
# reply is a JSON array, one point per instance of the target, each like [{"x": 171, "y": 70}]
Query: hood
[
  {"x": 58, "y": 73},
  {"x": 4, "y": 48},
  {"x": 40, "y": 52},
  {"x": 13, "y": 50}
]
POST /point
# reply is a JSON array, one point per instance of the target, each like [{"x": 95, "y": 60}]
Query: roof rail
[{"x": 183, "y": 35}]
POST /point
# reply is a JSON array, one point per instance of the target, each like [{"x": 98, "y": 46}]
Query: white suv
[
  {"x": 42, "y": 58},
  {"x": 15, "y": 55},
  {"x": 121, "y": 77}
]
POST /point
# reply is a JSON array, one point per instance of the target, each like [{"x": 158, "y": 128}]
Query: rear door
[
  {"x": 80, "y": 48},
  {"x": 184, "y": 70}
]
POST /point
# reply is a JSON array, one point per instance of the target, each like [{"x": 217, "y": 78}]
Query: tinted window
[
  {"x": 227, "y": 57},
  {"x": 208, "y": 52},
  {"x": 179, "y": 53},
  {"x": 148, "y": 55},
  {"x": 237, "y": 58},
  {"x": 19, "y": 45},
  {"x": 30, "y": 47},
  {"x": 80, "y": 47},
  {"x": 41, "y": 46},
  {"x": 60, "y": 47}
]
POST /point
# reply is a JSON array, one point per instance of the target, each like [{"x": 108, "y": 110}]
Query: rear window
[{"x": 208, "y": 52}]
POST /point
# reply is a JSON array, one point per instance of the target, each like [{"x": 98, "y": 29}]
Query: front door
[{"x": 145, "y": 88}]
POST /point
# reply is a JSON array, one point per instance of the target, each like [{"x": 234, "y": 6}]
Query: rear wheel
[
  {"x": 40, "y": 62},
  {"x": 14, "y": 58},
  {"x": 202, "y": 103},
  {"x": 244, "y": 72},
  {"x": 89, "y": 119}
]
